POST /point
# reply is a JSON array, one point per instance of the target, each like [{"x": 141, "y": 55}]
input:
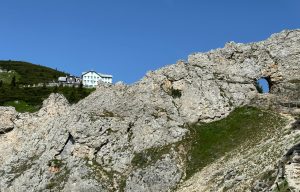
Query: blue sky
[
  {"x": 263, "y": 83},
  {"x": 129, "y": 38}
]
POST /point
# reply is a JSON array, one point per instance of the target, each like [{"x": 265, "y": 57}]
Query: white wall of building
[
  {"x": 106, "y": 78},
  {"x": 91, "y": 78}
]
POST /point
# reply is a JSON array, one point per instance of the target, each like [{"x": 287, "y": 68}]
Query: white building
[
  {"x": 91, "y": 78},
  {"x": 69, "y": 79}
]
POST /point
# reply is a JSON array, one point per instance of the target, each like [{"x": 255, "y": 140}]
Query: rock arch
[{"x": 263, "y": 84}]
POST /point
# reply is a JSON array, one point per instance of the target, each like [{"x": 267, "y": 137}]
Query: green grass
[
  {"x": 149, "y": 156},
  {"x": 55, "y": 162},
  {"x": 29, "y": 73},
  {"x": 283, "y": 187},
  {"x": 56, "y": 183},
  {"x": 244, "y": 126},
  {"x": 268, "y": 177},
  {"x": 21, "y": 106},
  {"x": 19, "y": 168},
  {"x": 98, "y": 173},
  {"x": 30, "y": 99},
  {"x": 59, "y": 179}
]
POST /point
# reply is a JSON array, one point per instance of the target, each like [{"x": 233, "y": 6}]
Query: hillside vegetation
[
  {"x": 28, "y": 73},
  {"x": 30, "y": 99},
  {"x": 6, "y": 77}
]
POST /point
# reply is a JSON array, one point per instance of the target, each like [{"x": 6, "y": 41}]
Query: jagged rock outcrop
[
  {"x": 128, "y": 137},
  {"x": 7, "y": 115}
]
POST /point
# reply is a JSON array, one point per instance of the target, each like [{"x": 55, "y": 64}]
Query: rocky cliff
[{"x": 133, "y": 138}]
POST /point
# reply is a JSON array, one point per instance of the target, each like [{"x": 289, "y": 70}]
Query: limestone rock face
[
  {"x": 7, "y": 116},
  {"x": 163, "y": 174},
  {"x": 128, "y": 137}
]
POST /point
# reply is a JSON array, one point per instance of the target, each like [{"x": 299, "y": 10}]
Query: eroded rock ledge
[{"x": 7, "y": 116}]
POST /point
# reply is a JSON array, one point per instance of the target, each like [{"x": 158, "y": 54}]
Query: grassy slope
[
  {"x": 244, "y": 126},
  {"x": 29, "y": 73},
  {"x": 31, "y": 99},
  {"x": 7, "y": 77},
  {"x": 22, "y": 106}
]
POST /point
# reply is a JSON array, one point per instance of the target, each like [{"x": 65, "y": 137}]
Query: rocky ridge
[{"x": 103, "y": 142}]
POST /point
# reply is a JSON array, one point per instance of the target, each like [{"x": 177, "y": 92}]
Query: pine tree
[
  {"x": 13, "y": 81},
  {"x": 81, "y": 85},
  {"x": 72, "y": 97},
  {"x": 55, "y": 90}
]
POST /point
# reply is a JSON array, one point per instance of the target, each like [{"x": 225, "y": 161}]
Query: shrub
[{"x": 175, "y": 93}]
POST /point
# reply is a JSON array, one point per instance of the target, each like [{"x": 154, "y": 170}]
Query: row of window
[
  {"x": 89, "y": 81},
  {"x": 91, "y": 77},
  {"x": 93, "y": 81},
  {"x": 94, "y": 77}
]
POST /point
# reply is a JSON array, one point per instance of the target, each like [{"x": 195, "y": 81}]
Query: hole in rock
[{"x": 263, "y": 85}]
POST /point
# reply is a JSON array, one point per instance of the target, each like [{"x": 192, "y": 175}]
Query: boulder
[{"x": 7, "y": 117}]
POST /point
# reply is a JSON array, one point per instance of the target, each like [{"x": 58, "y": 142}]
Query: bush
[{"x": 175, "y": 93}]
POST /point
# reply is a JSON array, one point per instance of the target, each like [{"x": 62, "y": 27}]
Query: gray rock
[
  {"x": 91, "y": 146},
  {"x": 7, "y": 117},
  {"x": 161, "y": 176}
]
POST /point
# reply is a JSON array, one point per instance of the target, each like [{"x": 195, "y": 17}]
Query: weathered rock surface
[
  {"x": 7, "y": 116},
  {"x": 92, "y": 145},
  {"x": 246, "y": 169}
]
